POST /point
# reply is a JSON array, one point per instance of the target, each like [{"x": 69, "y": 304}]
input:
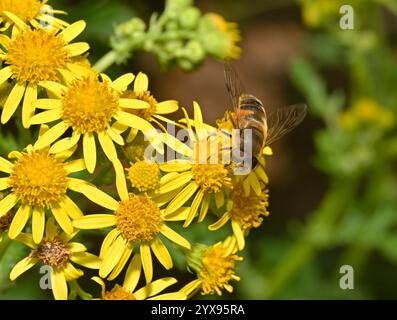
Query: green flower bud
[
  {"x": 186, "y": 64},
  {"x": 173, "y": 46},
  {"x": 190, "y": 18},
  {"x": 174, "y": 7},
  {"x": 195, "y": 256},
  {"x": 194, "y": 51}
]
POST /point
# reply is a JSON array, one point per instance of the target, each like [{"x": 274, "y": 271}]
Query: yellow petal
[
  {"x": 115, "y": 136},
  {"x": 147, "y": 263},
  {"x": 5, "y": 165},
  {"x": 73, "y": 31},
  {"x": 177, "y": 182},
  {"x": 161, "y": 253},
  {"x": 77, "y": 48},
  {"x": 28, "y": 108},
  {"x": 71, "y": 273},
  {"x": 177, "y": 165},
  {"x": 238, "y": 234},
  {"x": 75, "y": 166},
  {"x": 204, "y": 207},
  {"x": 170, "y": 296},
  {"x": 134, "y": 121},
  {"x": 65, "y": 144},
  {"x": 46, "y": 117},
  {"x": 51, "y": 229},
  {"x": 121, "y": 84},
  {"x": 175, "y": 237},
  {"x": 22, "y": 266},
  {"x": 95, "y": 221},
  {"x": 62, "y": 218},
  {"x": 194, "y": 208},
  {"x": 141, "y": 82},
  {"x": 133, "y": 104},
  {"x": 4, "y": 184},
  {"x": 179, "y": 215},
  {"x": 182, "y": 198},
  {"x": 51, "y": 135},
  {"x": 97, "y": 196},
  {"x": 177, "y": 145},
  {"x": 77, "y": 247},
  {"x": 219, "y": 199},
  {"x": 154, "y": 288},
  {"x": 220, "y": 223},
  {"x": 54, "y": 88},
  {"x": 133, "y": 273},
  {"x": 122, "y": 262},
  {"x": 198, "y": 121},
  {"x": 121, "y": 183},
  {"x": 19, "y": 221},
  {"x": 59, "y": 286},
  {"x": 260, "y": 172},
  {"x": 8, "y": 203},
  {"x": 86, "y": 259},
  {"x": 71, "y": 208},
  {"x": 112, "y": 257},
  {"x": 15, "y": 19},
  {"x": 27, "y": 240},
  {"x": 5, "y": 74},
  {"x": 191, "y": 287},
  {"x": 256, "y": 186},
  {"x": 107, "y": 146},
  {"x": 108, "y": 241},
  {"x": 167, "y": 107},
  {"x": 13, "y": 102},
  {"x": 89, "y": 150}
]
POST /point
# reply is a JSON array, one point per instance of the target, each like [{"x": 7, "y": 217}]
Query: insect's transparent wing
[
  {"x": 283, "y": 120},
  {"x": 233, "y": 84}
]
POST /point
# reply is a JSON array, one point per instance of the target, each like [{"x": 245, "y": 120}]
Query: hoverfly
[{"x": 250, "y": 114}]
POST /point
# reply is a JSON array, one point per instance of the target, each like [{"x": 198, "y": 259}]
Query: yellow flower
[
  {"x": 39, "y": 182},
  {"x": 232, "y": 35},
  {"x": 91, "y": 106},
  {"x": 149, "y": 292},
  {"x": 244, "y": 212},
  {"x": 144, "y": 175},
  {"x": 198, "y": 177},
  {"x": 136, "y": 220},
  {"x": 156, "y": 110},
  {"x": 56, "y": 251},
  {"x": 215, "y": 267},
  {"x": 33, "y": 12},
  {"x": 33, "y": 56}
]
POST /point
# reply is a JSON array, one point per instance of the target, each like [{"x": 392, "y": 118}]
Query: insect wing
[
  {"x": 284, "y": 120},
  {"x": 233, "y": 84}
]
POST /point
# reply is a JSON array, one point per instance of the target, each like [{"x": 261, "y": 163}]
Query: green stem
[
  {"x": 321, "y": 224},
  {"x": 106, "y": 61},
  {"x": 77, "y": 291}
]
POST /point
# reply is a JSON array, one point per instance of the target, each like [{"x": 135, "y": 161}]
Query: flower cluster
[{"x": 90, "y": 128}]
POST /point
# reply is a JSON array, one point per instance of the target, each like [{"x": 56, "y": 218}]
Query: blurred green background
[{"x": 333, "y": 181}]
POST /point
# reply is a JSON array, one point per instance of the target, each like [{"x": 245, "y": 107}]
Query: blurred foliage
[{"x": 356, "y": 220}]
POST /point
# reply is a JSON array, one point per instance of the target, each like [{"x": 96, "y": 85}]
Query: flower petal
[
  {"x": 154, "y": 288},
  {"x": 22, "y": 266},
  {"x": 112, "y": 257},
  {"x": 71, "y": 208},
  {"x": 95, "y": 221},
  {"x": 66, "y": 143},
  {"x": 177, "y": 182},
  {"x": 133, "y": 103},
  {"x": 147, "y": 262},
  {"x": 56, "y": 89},
  {"x": 194, "y": 208},
  {"x": 89, "y": 150},
  {"x": 167, "y": 107},
  {"x": 28, "y": 108},
  {"x": 19, "y": 221},
  {"x": 5, "y": 74},
  {"x": 107, "y": 146},
  {"x": 51, "y": 135},
  {"x": 77, "y": 48},
  {"x": 161, "y": 253},
  {"x": 62, "y": 218},
  {"x": 175, "y": 237},
  {"x": 59, "y": 286},
  {"x": 123, "y": 260},
  {"x": 220, "y": 223},
  {"x": 71, "y": 273},
  {"x": 13, "y": 102},
  {"x": 134, "y": 121},
  {"x": 141, "y": 82},
  {"x": 238, "y": 233},
  {"x": 73, "y": 31},
  {"x": 182, "y": 198},
  {"x": 121, "y": 83},
  {"x": 8, "y": 203},
  {"x": 133, "y": 273},
  {"x": 170, "y": 296},
  {"x": 46, "y": 117},
  {"x": 86, "y": 259},
  {"x": 121, "y": 183}
]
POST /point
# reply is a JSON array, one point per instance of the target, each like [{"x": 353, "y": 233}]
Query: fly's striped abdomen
[{"x": 252, "y": 115}]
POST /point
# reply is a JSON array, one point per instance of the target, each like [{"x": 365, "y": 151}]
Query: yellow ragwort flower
[
  {"x": 198, "y": 176},
  {"x": 215, "y": 267},
  {"x": 244, "y": 212},
  {"x": 33, "y": 56},
  {"x": 39, "y": 182},
  {"x": 156, "y": 111},
  {"x": 33, "y": 12},
  {"x": 149, "y": 292},
  {"x": 56, "y": 251},
  {"x": 136, "y": 220}
]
